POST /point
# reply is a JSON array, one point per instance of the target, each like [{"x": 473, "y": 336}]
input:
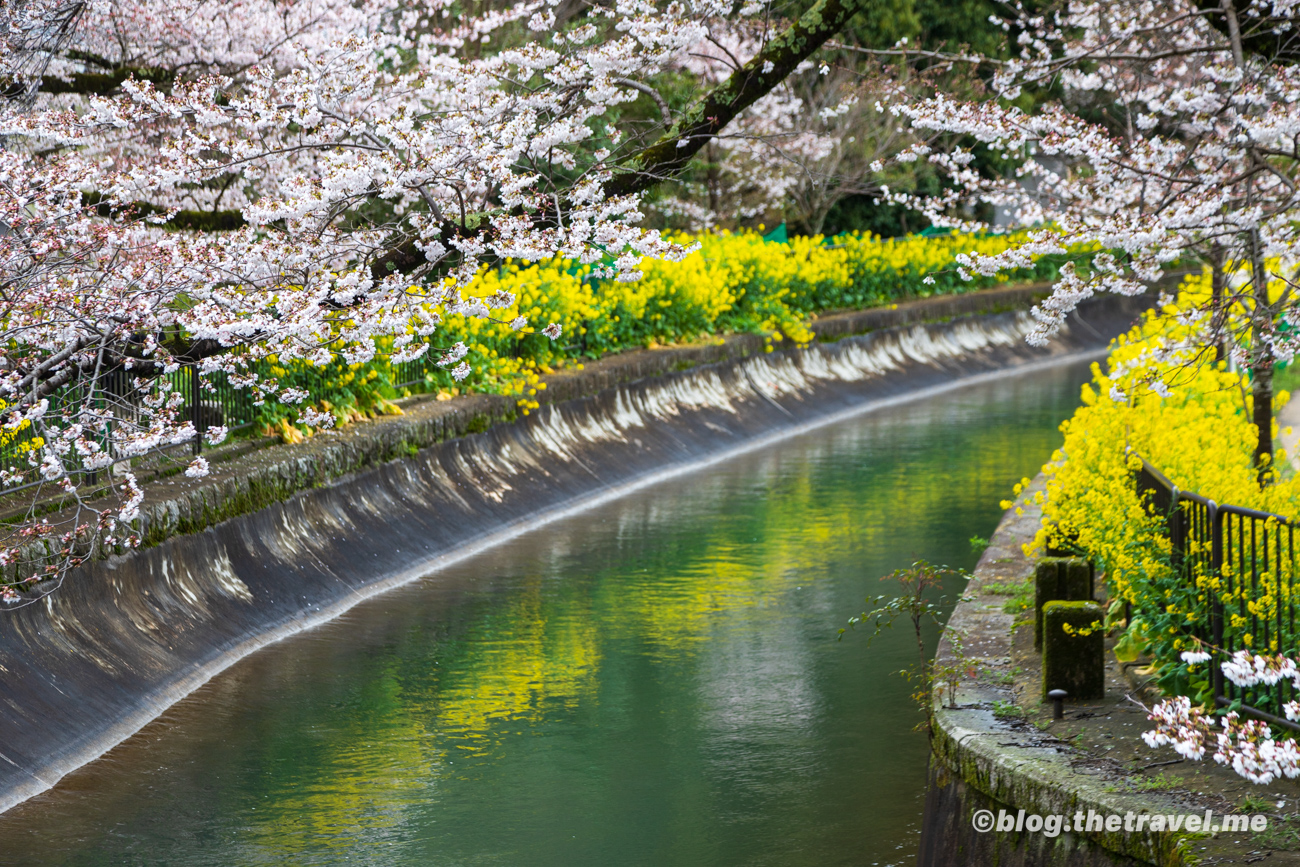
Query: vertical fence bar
[
  {"x": 1177, "y": 535},
  {"x": 1276, "y": 639},
  {"x": 1254, "y": 584},
  {"x": 1265, "y": 570},
  {"x": 92, "y": 477},
  {"x": 1291, "y": 588},
  {"x": 1216, "y": 598},
  {"x": 1278, "y": 642},
  {"x": 195, "y": 411},
  {"x": 1287, "y": 645},
  {"x": 1239, "y": 585}
]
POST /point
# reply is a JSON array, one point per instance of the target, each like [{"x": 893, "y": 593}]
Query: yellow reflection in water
[{"x": 540, "y": 647}]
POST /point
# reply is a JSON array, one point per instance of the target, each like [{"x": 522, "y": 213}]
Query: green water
[{"x": 655, "y": 682}]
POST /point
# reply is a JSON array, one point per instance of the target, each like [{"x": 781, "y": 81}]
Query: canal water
[{"x": 654, "y": 682}]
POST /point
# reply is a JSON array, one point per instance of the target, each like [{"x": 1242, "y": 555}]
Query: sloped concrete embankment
[{"x": 126, "y": 638}]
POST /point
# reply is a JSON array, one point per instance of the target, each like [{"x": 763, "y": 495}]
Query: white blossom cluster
[
  {"x": 1190, "y": 153},
  {"x": 1248, "y": 747}
]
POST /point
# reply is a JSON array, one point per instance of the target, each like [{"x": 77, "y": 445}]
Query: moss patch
[
  {"x": 1065, "y": 578},
  {"x": 1074, "y": 650}
]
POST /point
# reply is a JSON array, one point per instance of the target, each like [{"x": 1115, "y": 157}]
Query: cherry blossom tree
[
  {"x": 816, "y": 139},
  {"x": 1149, "y": 133},
  {"x": 1139, "y": 134},
  {"x": 797, "y": 151},
  {"x": 208, "y": 183}
]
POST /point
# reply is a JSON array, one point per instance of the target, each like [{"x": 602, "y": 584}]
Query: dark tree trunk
[
  {"x": 1261, "y": 390},
  {"x": 713, "y": 179},
  {"x": 1218, "y": 308},
  {"x": 1261, "y": 362}
]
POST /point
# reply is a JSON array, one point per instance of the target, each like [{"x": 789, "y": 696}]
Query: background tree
[
  {"x": 1147, "y": 133},
  {"x": 792, "y": 155},
  {"x": 804, "y": 154}
]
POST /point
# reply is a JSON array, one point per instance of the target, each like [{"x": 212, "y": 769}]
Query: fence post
[
  {"x": 196, "y": 408},
  {"x": 92, "y": 477},
  {"x": 1177, "y": 536},
  {"x": 1216, "y": 599}
]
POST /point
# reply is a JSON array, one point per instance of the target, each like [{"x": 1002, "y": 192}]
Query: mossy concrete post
[
  {"x": 1074, "y": 652},
  {"x": 1064, "y": 578}
]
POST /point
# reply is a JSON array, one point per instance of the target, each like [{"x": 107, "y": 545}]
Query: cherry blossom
[
  {"x": 1171, "y": 138},
  {"x": 1248, "y": 747},
  {"x": 204, "y": 184}
]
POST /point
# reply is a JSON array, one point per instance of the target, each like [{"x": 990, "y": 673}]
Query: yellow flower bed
[
  {"x": 1200, "y": 436},
  {"x": 734, "y": 282}
]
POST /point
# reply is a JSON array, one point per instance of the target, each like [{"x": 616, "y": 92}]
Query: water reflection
[{"x": 655, "y": 682}]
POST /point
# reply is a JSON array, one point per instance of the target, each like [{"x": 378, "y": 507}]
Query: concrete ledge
[
  {"x": 997, "y": 748},
  {"x": 256, "y": 479},
  {"x": 843, "y": 324},
  {"x": 982, "y": 762}
]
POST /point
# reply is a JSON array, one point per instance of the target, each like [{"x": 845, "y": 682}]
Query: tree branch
[
  {"x": 670, "y": 155},
  {"x": 653, "y": 94},
  {"x": 106, "y": 82},
  {"x": 193, "y": 220},
  {"x": 695, "y": 127}
]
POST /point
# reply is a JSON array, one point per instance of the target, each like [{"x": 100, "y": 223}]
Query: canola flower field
[
  {"x": 1162, "y": 393},
  {"x": 736, "y": 282}
]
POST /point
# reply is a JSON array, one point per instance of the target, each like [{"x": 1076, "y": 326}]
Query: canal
[{"x": 655, "y": 682}]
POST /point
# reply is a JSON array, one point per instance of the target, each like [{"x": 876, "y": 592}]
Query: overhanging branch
[
  {"x": 103, "y": 83},
  {"x": 669, "y": 156},
  {"x": 693, "y": 129}
]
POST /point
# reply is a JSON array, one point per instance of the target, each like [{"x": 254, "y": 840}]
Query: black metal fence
[
  {"x": 207, "y": 404},
  {"x": 217, "y": 404},
  {"x": 1244, "y": 562},
  {"x": 411, "y": 374}
]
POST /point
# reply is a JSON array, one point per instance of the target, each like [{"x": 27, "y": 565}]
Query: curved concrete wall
[{"x": 125, "y": 638}]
